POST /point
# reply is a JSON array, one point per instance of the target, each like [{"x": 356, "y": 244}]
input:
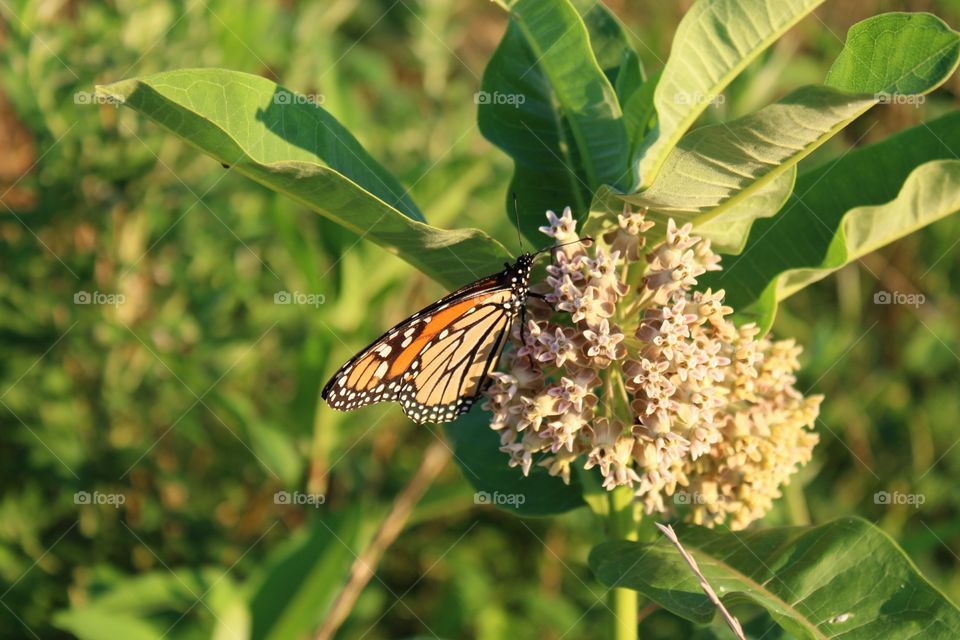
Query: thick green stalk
[{"x": 622, "y": 525}]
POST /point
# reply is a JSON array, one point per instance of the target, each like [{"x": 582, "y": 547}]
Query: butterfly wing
[
  {"x": 450, "y": 371},
  {"x": 435, "y": 362}
]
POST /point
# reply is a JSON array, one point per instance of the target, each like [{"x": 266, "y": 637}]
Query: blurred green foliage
[{"x": 197, "y": 398}]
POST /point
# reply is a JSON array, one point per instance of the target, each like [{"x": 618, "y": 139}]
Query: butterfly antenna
[
  {"x": 586, "y": 241},
  {"x": 516, "y": 213}
]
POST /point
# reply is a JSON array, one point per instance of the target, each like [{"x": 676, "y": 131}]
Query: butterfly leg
[
  {"x": 523, "y": 333},
  {"x": 542, "y": 296}
]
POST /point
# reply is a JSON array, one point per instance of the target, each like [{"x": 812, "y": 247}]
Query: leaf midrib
[
  {"x": 756, "y": 586},
  {"x": 539, "y": 54},
  {"x": 687, "y": 121}
]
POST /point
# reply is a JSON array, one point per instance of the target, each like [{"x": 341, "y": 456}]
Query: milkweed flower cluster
[{"x": 653, "y": 385}]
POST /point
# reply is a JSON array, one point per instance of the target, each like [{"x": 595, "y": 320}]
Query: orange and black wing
[{"x": 436, "y": 362}]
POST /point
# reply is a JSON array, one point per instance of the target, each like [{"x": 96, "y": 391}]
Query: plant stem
[
  {"x": 624, "y": 603},
  {"x": 434, "y": 459}
]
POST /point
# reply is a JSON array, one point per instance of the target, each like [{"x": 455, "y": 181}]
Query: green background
[{"x": 197, "y": 398}]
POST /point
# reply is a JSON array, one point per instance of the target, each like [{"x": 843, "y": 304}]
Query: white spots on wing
[{"x": 507, "y": 300}]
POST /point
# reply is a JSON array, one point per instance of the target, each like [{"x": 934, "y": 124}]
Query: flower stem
[{"x": 624, "y": 603}]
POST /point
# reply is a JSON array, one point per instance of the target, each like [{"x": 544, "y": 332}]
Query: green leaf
[
  {"x": 728, "y": 233},
  {"x": 282, "y": 141},
  {"x": 726, "y": 228},
  {"x": 149, "y": 606},
  {"x": 717, "y": 166},
  {"x": 714, "y": 42},
  {"x": 843, "y": 210},
  {"x": 546, "y": 99},
  {"x": 629, "y": 78},
  {"x": 291, "y": 595},
  {"x": 476, "y": 449},
  {"x": 640, "y": 113},
  {"x": 89, "y": 623},
  {"x": 896, "y": 54},
  {"x": 843, "y": 579},
  {"x": 714, "y": 170},
  {"x": 610, "y": 45}
]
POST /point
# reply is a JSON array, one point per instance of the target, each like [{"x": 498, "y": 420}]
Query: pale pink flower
[{"x": 681, "y": 399}]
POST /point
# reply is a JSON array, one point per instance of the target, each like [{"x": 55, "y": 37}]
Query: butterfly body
[{"x": 436, "y": 363}]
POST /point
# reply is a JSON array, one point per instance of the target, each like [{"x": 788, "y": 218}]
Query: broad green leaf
[
  {"x": 716, "y": 166},
  {"x": 293, "y": 591},
  {"x": 282, "y": 141},
  {"x": 715, "y": 169},
  {"x": 896, "y": 54},
  {"x": 546, "y": 99},
  {"x": 727, "y": 229},
  {"x": 842, "y": 210},
  {"x": 714, "y": 42},
  {"x": 518, "y": 113},
  {"x": 476, "y": 449},
  {"x": 728, "y": 232},
  {"x": 611, "y": 48},
  {"x": 558, "y": 37},
  {"x": 844, "y": 579}
]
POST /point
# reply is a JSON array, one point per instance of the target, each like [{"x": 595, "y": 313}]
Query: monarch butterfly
[{"x": 437, "y": 362}]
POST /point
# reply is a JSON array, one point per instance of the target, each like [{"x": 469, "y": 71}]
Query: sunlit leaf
[
  {"x": 715, "y": 170},
  {"x": 844, "y": 579},
  {"x": 547, "y": 101},
  {"x": 714, "y": 42},
  {"x": 281, "y": 140},
  {"x": 843, "y": 210}
]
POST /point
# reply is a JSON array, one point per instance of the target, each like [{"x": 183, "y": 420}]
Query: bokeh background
[{"x": 197, "y": 397}]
